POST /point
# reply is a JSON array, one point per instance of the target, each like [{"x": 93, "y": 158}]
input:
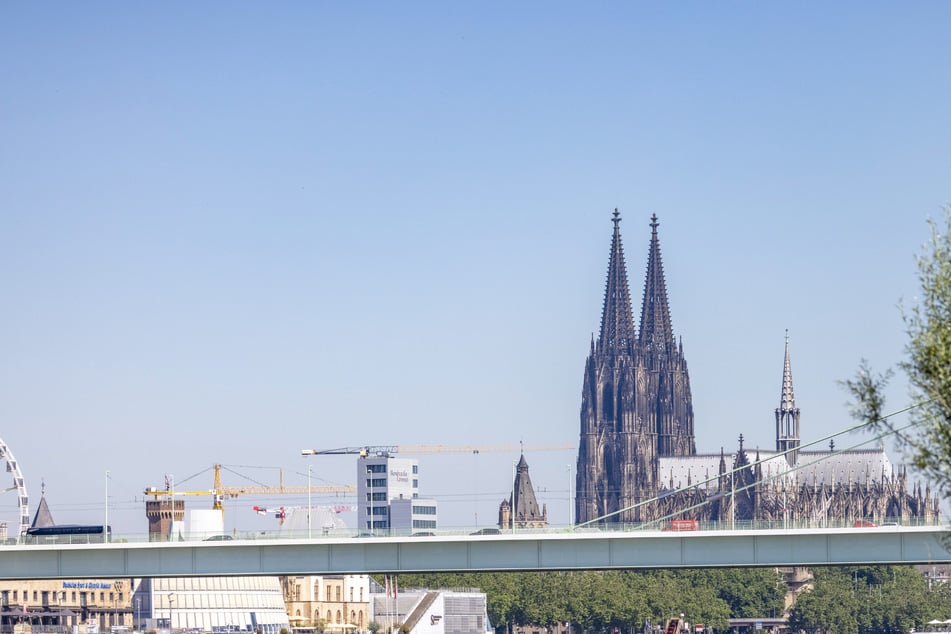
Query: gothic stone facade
[
  {"x": 527, "y": 512},
  {"x": 637, "y": 459}
]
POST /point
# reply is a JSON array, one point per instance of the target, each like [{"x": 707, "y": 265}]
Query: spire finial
[
  {"x": 741, "y": 442},
  {"x": 654, "y": 223},
  {"x": 42, "y": 487},
  {"x": 617, "y": 218}
]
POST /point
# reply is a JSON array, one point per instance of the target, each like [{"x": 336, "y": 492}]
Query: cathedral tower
[
  {"x": 636, "y": 403},
  {"x": 671, "y": 411}
]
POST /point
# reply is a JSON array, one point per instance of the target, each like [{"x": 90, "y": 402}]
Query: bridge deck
[{"x": 521, "y": 551}]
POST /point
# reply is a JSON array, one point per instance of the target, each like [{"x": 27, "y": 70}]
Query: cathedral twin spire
[
  {"x": 636, "y": 404},
  {"x": 617, "y": 323},
  {"x": 656, "y": 330},
  {"x": 618, "y": 331}
]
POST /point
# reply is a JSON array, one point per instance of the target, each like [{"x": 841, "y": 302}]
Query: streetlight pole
[
  {"x": 308, "y": 452},
  {"x": 514, "y": 467},
  {"x": 105, "y": 521},
  {"x": 171, "y": 598},
  {"x": 308, "y": 501},
  {"x": 732, "y": 500},
  {"x": 569, "y": 495}
]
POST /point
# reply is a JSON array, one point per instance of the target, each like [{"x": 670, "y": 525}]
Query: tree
[
  {"x": 750, "y": 592},
  {"x": 927, "y": 365},
  {"x": 830, "y": 607},
  {"x": 867, "y": 390},
  {"x": 868, "y": 600}
]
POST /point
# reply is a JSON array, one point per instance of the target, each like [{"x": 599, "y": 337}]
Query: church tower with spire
[
  {"x": 671, "y": 412},
  {"x": 523, "y": 510},
  {"x": 787, "y": 414},
  {"x": 636, "y": 403}
]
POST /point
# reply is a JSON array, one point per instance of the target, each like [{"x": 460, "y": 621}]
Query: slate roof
[
  {"x": 43, "y": 517},
  {"x": 812, "y": 467}
]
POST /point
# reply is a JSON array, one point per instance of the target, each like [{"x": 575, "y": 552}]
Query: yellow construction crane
[
  {"x": 389, "y": 450},
  {"x": 221, "y": 493}
]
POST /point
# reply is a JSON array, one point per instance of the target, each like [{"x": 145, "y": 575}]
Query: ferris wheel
[{"x": 22, "y": 518}]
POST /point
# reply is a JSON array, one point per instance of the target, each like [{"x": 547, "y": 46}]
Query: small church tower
[{"x": 524, "y": 509}]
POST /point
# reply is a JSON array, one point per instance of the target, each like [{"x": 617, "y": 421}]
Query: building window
[
  {"x": 376, "y": 468},
  {"x": 351, "y": 594},
  {"x": 361, "y": 596},
  {"x": 415, "y": 483},
  {"x": 338, "y": 596}
]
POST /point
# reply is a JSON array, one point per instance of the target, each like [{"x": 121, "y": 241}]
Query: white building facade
[
  {"x": 388, "y": 496},
  {"x": 212, "y": 604},
  {"x": 431, "y": 611}
]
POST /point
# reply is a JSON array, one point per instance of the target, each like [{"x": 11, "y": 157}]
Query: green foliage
[
  {"x": 829, "y": 607},
  {"x": 846, "y": 600},
  {"x": 868, "y": 600},
  {"x": 373, "y": 626},
  {"x": 927, "y": 365},
  {"x": 749, "y": 593},
  {"x": 867, "y": 392},
  {"x": 598, "y": 600}
]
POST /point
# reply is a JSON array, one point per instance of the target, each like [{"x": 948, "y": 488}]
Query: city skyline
[{"x": 232, "y": 233}]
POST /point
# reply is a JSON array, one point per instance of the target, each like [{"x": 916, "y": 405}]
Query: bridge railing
[{"x": 680, "y": 527}]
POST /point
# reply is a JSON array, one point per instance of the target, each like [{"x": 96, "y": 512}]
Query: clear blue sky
[{"x": 229, "y": 231}]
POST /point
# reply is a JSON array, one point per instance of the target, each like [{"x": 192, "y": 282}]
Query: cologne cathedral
[{"x": 637, "y": 459}]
